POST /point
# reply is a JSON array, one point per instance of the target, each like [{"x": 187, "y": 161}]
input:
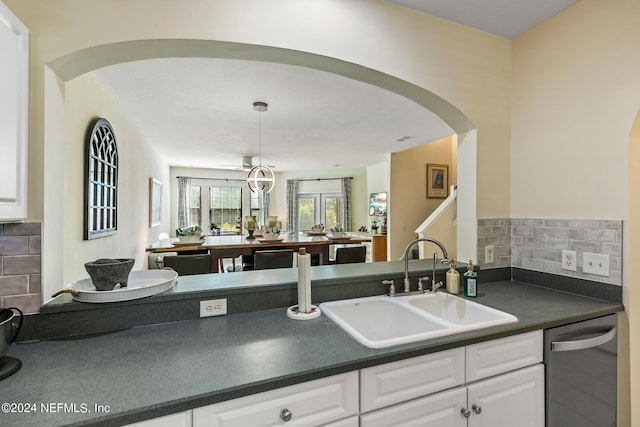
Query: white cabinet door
[
  {"x": 181, "y": 419},
  {"x": 307, "y": 404},
  {"x": 437, "y": 410},
  {"x": 14, "y": 95},
  {"x": 508, "y": 400}
]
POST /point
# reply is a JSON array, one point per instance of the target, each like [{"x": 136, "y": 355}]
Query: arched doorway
[{"x": 78, "y": 63}]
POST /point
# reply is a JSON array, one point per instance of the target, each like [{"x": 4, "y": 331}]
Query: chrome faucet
[{"x": 445, "y": 260}]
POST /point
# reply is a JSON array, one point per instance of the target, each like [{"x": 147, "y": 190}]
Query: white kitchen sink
[
  {"x": 383, "y": 321},
  {"x": 459, "y": 311}
]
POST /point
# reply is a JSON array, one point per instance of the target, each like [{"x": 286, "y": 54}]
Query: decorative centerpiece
[
  {"x": 106, "y": 273},
  {"x": 189, "y": 234},
  {"x": 271, "y": 233},
  {"x": 250, "y": 224},
  {"x": 338, "y": 231},
  {"x": 272, "y": 221}
]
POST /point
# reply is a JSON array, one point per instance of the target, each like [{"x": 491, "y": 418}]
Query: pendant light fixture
[{"x": 261, "y": 177}]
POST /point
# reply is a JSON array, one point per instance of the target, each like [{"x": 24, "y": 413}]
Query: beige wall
[
  {"x": 409, "y": 204},
  {"x": 468, "y": 68},
  {"x": 576, "y": 93}
]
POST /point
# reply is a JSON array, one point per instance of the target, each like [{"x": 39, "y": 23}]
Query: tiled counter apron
[{"x": 151, "y": 371}]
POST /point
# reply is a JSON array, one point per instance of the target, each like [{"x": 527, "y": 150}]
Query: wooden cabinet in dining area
[{"x": 376, "y": 248}]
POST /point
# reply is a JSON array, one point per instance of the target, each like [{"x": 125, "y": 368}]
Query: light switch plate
[{"x": 595, "y": 264}]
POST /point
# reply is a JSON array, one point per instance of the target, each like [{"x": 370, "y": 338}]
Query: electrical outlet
[
  {"x": 569, "y": 260},
  {"x": 595, "y": 264},
  {"x": 214, "y": 307},
  {"x": 488, "y": 255}
]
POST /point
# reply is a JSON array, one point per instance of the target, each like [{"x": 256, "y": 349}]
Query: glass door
[
  {"x": 308, "y": 211},
  {"x": 319, "y": 208},
  {"x": 332, "y": 210}
]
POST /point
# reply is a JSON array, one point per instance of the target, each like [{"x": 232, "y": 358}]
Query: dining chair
[
  {"x": 351, "y": 254},
  {"x": 186, "y": 265},
  {"x": 278, "y": 258}
]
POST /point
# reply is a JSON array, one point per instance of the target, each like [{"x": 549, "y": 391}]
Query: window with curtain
[
  {"x": 219, "y": 205},
  {"x": 225, "y": 205},
  {"x": 195, "y": 214}
]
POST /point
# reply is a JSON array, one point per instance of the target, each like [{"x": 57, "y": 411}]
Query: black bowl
[{"x": 106, "y": 273}]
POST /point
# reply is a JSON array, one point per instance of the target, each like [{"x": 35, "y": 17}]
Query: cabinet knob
[
  {"x": 286, "y": 415},
  {"x": 465, "y": 412},
  {"x": 477, "y": 409}
]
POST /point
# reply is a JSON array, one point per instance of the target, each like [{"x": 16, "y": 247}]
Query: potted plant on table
[{"x": 375, "y": 224}]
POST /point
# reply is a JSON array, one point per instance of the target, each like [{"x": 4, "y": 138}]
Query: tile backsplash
[
  {"x": 20, "y": 250},
  {"x": 537, "y": 244}
]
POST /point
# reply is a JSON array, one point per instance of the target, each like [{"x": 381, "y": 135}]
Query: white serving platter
[
  {"x": 141, "y": 284},
  {"x": 261, "y": 240}
]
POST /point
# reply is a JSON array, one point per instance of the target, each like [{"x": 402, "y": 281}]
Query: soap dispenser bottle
[
  {"x": 453, "y": 279},
  {"x": 470, "y": 281}
]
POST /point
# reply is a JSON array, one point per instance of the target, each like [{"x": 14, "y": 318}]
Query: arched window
[{"x": 101, "y": 181}]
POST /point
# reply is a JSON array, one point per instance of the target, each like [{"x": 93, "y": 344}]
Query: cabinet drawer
[
  {"x": 503, "y": 355},
  {"x": 312, "y": 403},
  {"x": 396, "y": 382},
  {"x": 438, "y": 410}
]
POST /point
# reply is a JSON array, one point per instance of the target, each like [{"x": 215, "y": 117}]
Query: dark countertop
[{"x": 150, "y": 371}]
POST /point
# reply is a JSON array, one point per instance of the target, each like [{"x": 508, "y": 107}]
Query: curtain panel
[
  {"x": 292, "y": 204},
  {"x": 184, "y": 190},
  {"x": 346, "y": 203}
]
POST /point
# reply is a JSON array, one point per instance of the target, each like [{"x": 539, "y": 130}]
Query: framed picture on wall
[
  {"x": 155, "y": 202},
  {"x": 437, "y": 181}
]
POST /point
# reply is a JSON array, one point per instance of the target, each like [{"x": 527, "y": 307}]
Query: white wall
[
  {"x": 278, "y": 201},
  {"x": 86, "y": 99},
  {"x": 359, "y": 198}
]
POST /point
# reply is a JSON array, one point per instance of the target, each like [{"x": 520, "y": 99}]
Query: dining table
[{"x": 234, "y": 246}]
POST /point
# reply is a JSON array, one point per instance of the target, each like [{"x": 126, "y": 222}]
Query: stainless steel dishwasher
[{"x": 581, "y": 362}]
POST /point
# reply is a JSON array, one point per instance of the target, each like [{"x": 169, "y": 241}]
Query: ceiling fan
[{"x": 245, "y": 165}]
